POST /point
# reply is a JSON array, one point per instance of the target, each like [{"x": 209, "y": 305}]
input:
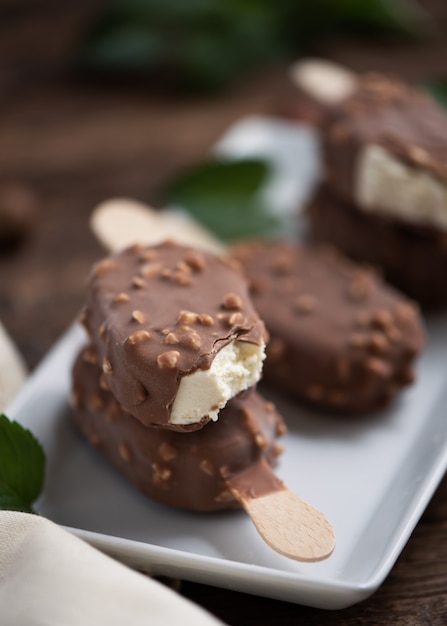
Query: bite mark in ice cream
[
  {"x": 175, "y": 331},
  {"x": 391, "y": 187},
  {"x": 235, "y": 368}
]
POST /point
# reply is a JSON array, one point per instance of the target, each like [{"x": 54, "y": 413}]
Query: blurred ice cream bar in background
[{"x": 383, "y": 197}]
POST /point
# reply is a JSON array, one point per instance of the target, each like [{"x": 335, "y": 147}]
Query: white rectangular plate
[{"x": 372, "y": 477}]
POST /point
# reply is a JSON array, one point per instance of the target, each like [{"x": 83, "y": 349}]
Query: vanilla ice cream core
[
  {"x": 236, "y": 367},
  {"x": 387, "y": 186}
]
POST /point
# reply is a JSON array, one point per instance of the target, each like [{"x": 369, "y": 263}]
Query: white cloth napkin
[{"x": 49, "y": 577}]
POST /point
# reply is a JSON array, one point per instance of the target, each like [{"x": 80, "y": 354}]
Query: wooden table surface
[{"x": 74, "y": 145}]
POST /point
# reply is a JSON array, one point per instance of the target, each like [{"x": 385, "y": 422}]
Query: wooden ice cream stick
[
  {"x": 120, "y": 222},
  {"x": 288, "y": 524},
  {"x": 324, "y": 81}
]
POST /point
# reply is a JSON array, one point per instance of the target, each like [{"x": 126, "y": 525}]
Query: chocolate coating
[
  {"x": 390, "y": 113},
  {"x": 340, "y": 338},
  {"x": 412, "y": 257},
  {"x": 157, "y": 314},
  {"x": 177, "y": 469}
]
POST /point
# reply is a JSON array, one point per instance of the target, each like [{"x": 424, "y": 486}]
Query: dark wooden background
[{"x": 71, "y": 144}]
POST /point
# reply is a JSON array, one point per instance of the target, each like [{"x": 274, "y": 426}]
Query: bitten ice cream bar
[
  {"x": 174, "y": 332},
  {"x": 383, "y": 194},
  {"x": 182, "y": 470},
  {"x": 165, "y": 388},
  {"x": 386, "y": 151},
  {"x": 340, "y": 338}
]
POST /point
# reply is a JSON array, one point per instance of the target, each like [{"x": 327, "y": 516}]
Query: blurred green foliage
[
  {"x": 202, "y": 45},
  {"x": 226, "y": 197}
]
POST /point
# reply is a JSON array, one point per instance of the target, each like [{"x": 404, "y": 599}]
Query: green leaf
[
  {"x": 203, "y": 45},
  {"x": 216, "y": 177},
  {"x": 22, "y": 466},
  {"x": 11, "y": 502},
  {"x": 225, "y": 196}
]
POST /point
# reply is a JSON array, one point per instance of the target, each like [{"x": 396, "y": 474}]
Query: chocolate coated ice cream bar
[
  {"x": 413, "y": 258},
  {"x": 383, "y": 199},
  {"x": 385, "y": 150},
  {"x": 340, "y": 338},
  {"x": 178, "y": 469},
  {"x": 174, "y": 333}
]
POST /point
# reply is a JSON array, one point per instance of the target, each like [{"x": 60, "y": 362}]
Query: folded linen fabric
[{"x": 50, "y": 577}]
